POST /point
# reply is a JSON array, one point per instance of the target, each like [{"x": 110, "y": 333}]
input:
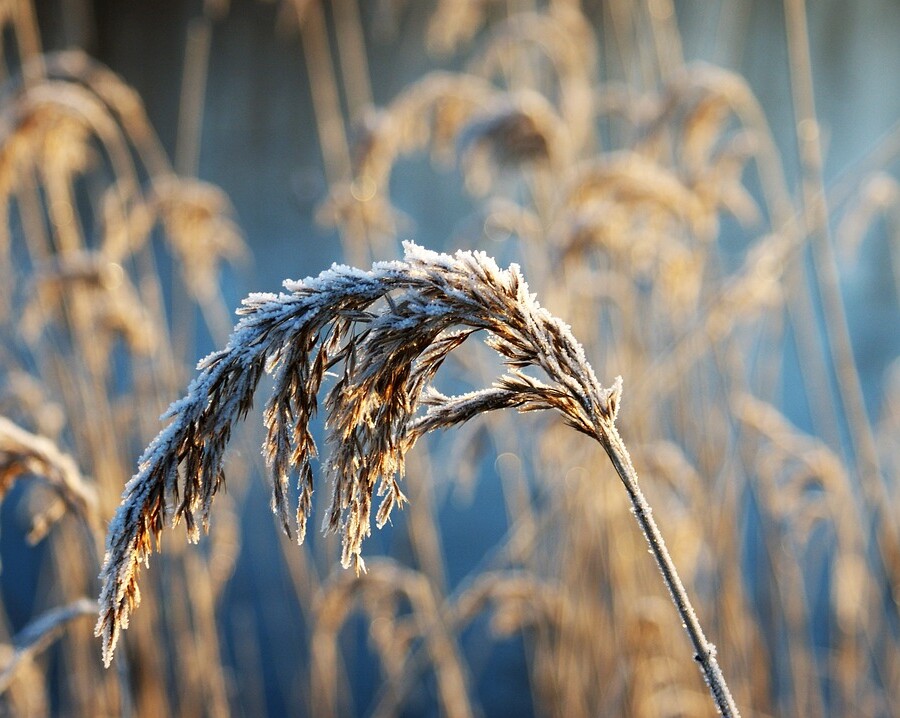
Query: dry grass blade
[{"x": 390, "y": 353}]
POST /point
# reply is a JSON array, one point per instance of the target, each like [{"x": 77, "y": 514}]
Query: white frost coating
[
  {"x": 436, "y": 309},
  {"x": 297, "y": 335},
  {"x": 256, "y": 298},
  {"x": 392, "y": 266}
]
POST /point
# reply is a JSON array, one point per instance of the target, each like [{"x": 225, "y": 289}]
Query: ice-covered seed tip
[{"x": 382, "y": 334}]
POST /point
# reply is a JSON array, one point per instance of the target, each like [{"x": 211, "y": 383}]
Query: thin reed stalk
[
  {"x": 837, "y": 332},
  {"x": 704, "y": 651}
]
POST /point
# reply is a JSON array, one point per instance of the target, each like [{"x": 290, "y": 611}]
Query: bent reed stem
[{"x": 704, "y": 651}]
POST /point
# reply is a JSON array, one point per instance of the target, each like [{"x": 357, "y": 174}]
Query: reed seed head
[{"x": 389, "y": 330}]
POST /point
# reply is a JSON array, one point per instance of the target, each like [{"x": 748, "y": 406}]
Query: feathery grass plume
[
  {"x": 84, "y": 179},
  {"x": 40, "y": 633},
  {"x": 803, "y": 485},
  {"x": 556, "y": 45},
  {"x": 454, "y": 23},
  {"x": 24, "y": 399},
  {"x": 708, "y": 120},
  {"x": 519, "y": 600},
  {"x": 199, "y": 223},
  {"x": 633, "y": 179},
  {"x": 430, "y": 112},
  {"x": 120, "y": 99},
  {"x": 390, "y": 352},
  {"x": 23, "y": 453},
  {"x": 560, "y": 33},
  {"x": 113, "y": 306},
  {"x": 382, "y": 592},
  {"x": 517, "y": 130}
]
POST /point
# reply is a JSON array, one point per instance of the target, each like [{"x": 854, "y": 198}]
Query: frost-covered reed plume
[{"x": 389, "y": 329}]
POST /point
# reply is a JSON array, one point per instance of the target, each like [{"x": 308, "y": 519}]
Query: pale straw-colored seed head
[
  {"x": 515, "y": 131},
  {"x": 200, "y": 227},
  {"x": 556, "y": 45},
  {"x": 25, "y": 454},
  {"x": 27, "y": 401},
  {"x": 389, "y": 329},
  {"x": 639, "y": 183},
  {"x": 430, "y": 112},
  {"x": 454, "y": 23},
  {"x": 113, "y": 308}
]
